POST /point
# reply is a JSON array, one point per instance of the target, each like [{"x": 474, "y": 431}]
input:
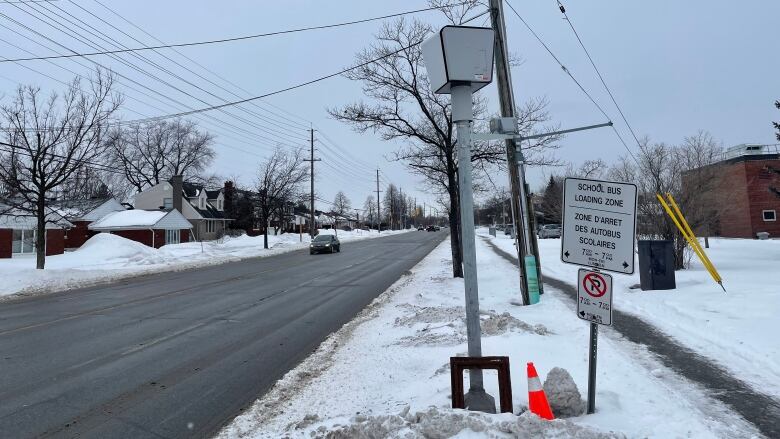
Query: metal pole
[
  {"x": 594, "y": 338},
  {"x": 516, "y": 168},
  {"x": 462, "y": 114}
]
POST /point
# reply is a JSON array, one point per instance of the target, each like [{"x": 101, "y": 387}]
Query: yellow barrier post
[
  {"x": 685, "y": 224},
  {"x": 710, "y": 269}
]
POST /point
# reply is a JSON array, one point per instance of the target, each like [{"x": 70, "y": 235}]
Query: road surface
[{"x": 180, "y": 354}]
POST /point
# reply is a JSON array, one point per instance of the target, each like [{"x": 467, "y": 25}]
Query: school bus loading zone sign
[{"x": 599, "y": 224}]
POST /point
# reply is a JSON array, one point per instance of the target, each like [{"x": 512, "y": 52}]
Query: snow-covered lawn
[
  {"x": 738, "y": 329},
  {"x": 386, "y": 373},
  {"x": 108, "y": 257}
]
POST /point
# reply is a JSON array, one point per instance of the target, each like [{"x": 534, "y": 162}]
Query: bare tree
[
  {"x": 687, "y": 171},
  {"x": 341, "y": 205},
  {"x": 49, "y": 140},
  {"x": 403, "y": 107},
  {"x": 152, "y": 152},
  {"x": 370, "y": 207},
  {"x": 777, "y": 124},
  {"x": 278, "y": 182}
]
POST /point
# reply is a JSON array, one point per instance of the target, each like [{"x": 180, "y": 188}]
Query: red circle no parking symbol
[{"x": 594, "y": 284}]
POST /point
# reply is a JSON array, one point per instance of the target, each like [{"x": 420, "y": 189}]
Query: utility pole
[
  {"x": 313, "y": 225},
  {"x": 378, "y": 215},
  {"x": 515, "y": 161}
]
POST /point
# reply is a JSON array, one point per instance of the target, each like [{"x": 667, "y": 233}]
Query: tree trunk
[
  {"x": 454, "y": 218},
  {"x": 40, "y": 239}
]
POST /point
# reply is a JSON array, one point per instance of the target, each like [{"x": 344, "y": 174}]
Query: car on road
[
  {"x": 431, "y": 228},
  {"x": 550, "y": 231},
  {"x": 325, "y": 244},
  {"x": 420, "y": 228}
]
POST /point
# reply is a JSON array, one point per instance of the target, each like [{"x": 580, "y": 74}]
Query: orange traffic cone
[{"x": 537, "y": 400}]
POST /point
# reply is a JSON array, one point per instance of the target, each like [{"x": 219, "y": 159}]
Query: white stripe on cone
[{"x": 534, "y": 385}]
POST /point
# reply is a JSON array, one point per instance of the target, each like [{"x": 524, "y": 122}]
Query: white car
[{"x": 550, "y": 231}]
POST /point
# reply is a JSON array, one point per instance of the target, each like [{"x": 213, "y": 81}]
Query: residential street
[{"x": 180, "y": 354}]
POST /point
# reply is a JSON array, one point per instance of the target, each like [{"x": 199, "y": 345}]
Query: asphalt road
[
  {"x": 180, "y": 354},
  {"x": 757, "y": 408}
]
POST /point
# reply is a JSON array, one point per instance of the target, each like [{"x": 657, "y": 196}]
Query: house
[
  {"x": 18, "y": 233},
  {"x": 746, "y": 194},
  {"x": 154, "y": 228},
  {"x": 205, "y": 209},
  {"x": 81, "y": 213}
]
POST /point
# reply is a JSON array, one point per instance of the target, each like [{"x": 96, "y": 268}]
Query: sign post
[{"x": 599, "y": 231}]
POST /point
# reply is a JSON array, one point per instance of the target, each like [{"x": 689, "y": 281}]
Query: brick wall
[
  {"x": 55, "y": 242},
  {"x": 732, "y": 202},
  {"x": 6, "y": 238},
  {"x": 762, "y": 177},
  {"x": 78, "y": 235}
]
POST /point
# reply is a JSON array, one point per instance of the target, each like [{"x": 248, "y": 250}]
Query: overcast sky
[{"x": 675, "y": 67}]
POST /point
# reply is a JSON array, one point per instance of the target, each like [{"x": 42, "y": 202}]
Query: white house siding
[{"x": 153, "y": 197}]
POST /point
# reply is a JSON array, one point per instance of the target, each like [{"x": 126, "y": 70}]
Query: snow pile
[
  {"x": 440, "y": 423},
  {"x": 562, "y": 394},
  {"x": 105, "y": 248},
  {"x": 386, "y": 373}
]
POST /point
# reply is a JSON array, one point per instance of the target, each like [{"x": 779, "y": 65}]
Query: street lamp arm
[{"x": 519, "y": 138}]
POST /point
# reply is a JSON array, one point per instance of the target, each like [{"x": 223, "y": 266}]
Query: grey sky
[{"x": 675, "y": 67}]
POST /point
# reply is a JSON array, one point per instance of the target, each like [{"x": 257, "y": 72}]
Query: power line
[
  {"x": 141, "y": 70},
  {"x": 568, "y": 72},
  {"x": 601, "y": 78},
  {"x": 265, "y": 119},
  {"x": 225, "y": 40},
  {"x": 236, "y": 128},
  {"x": 292, "y": 87}
]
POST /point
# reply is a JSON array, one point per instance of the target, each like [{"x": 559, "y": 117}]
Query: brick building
[
  {"x": 154, "y": 228},
  {"x": 747, "y": 198},
  {"x": 18, "y": 233}
]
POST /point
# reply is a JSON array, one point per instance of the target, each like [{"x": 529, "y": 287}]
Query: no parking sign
[{"x": 594, "y": 297}]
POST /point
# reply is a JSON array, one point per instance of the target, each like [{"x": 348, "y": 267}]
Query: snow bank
[
  {"x": 106, "y": 257},
  {"x": 443, "y": 423},
  {"x": 386, "y": 373}
]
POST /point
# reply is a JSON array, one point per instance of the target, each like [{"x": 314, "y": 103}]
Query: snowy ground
[
  {"x": 386, "y": 373},
  {"x": 108, "y": 257},
  {"x": 738, "y": 329}
]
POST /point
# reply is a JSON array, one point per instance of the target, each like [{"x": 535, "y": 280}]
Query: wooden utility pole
[
  {"x": 313, "y": 226},
  {"x": 521, "y": 220},
  {"x": 378, "y": 215}
]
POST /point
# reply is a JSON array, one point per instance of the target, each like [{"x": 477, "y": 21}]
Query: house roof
[
  {"x": 193, "y": 190},
  {"x": 210, "y": 212},
  {"x": 142, "y": 220},
  {"x": 12, "y": 218},
  {"x": 87, "y": 210}
]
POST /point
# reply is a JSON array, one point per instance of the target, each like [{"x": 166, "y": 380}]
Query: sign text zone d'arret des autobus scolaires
[{"x": 599, "y": 224}]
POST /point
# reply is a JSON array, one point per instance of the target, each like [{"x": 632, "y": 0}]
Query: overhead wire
[
  {"x": 598, "y": 72},
  {"x": 571, "y": 75},
  {"x": 265, "y": 119},
  {"x": 125, "y": 77},
  {"x": 79, "y": 37},
  {"x": 232, "y": 39}
]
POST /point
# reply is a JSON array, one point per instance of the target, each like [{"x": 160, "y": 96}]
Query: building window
[
  {"x": 23, "y": 241},
  {"x": 770, "y": 215},
  {"x": 167, "y": 203},
  {"x": 220, "y": 205},
  {"x": 172, "y": 236}
]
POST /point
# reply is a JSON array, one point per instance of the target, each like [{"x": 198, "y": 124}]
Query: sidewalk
[{"x": 386, "y": 373}]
